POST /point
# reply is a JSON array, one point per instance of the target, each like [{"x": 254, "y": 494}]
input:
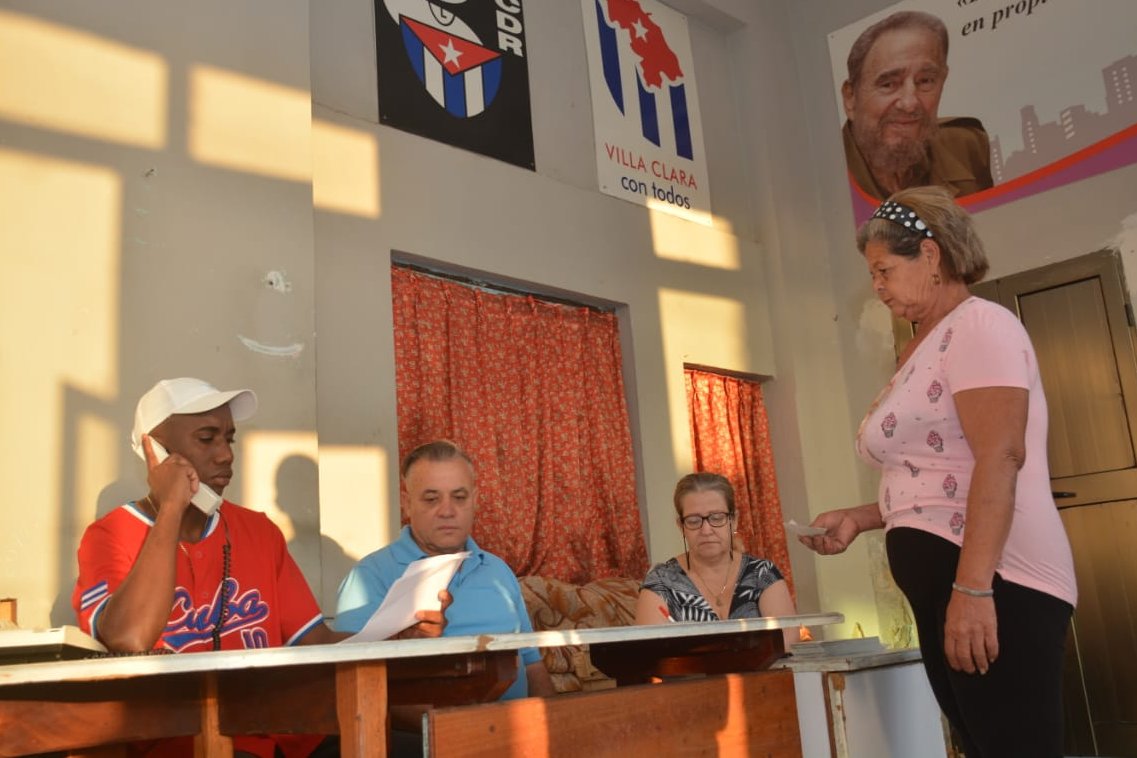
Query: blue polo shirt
[{"x": 487, "y": 597}]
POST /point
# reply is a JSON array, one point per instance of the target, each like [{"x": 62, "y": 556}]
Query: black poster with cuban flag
[{"x": 455, "y": 71}]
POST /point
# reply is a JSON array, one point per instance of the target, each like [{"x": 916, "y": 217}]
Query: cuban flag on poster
[
  {"x": 462, "y": 76},
  {"x": 660, "y": 91},
  {"x": 456, "y": 71},
  {"x": 648, "y": 130}
]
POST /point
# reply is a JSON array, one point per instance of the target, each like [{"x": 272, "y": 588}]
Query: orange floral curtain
[
  {"x": 534, "y": 392},
  {"x": 731, "y": 436}
]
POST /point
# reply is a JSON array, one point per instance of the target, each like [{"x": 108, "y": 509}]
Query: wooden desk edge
[{"x": 228, "y": 660}]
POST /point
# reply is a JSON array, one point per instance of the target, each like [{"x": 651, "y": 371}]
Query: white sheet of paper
[
  {"x": 416, "y": 590},
  {"x": 802, "y": 530}
]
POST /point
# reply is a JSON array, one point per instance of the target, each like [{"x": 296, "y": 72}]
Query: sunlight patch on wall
[
  {"x": 694, "y": 215},
  {"x": 709, "y": 330},
  {"x": 353, "y": 489},
  {"x": 345, "y": 170},
  {"x": 54, "y": 211},
  {"x": 677, "y": 239},
  {"x": 706, "y": 329},
  {"x": 98, "y": 443},
  {"x": 60, "y": 229},
  {"x": 247, "y": 124},
  {"x": 58, "y": 78},
  {"x": 279, "y": 478}
]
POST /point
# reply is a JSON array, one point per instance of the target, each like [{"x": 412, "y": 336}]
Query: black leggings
[{"x": 1015, "y": 709}]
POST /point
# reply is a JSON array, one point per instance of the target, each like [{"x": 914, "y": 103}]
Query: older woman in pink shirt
[{"x": 973, "y": 536}]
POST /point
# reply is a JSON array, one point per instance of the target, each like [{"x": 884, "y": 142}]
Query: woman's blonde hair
[
  {"x": 700, "y": 482},
  {"x": 963, "y": 256}
]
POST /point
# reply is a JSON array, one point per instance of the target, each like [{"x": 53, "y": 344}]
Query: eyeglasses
[{"x": 694, "y": 522}]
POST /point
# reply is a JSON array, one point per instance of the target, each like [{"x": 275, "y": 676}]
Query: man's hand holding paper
[
  {"x": 402, "y": 613},
  {"x": 438, "y": 498},
  {"x": 430, "y": 623}
]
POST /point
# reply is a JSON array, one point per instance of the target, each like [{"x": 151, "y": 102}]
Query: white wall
[{"x": 154, "y": 167}]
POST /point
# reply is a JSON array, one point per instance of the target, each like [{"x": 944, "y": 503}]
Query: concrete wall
[{"x": 155, "y": 164}]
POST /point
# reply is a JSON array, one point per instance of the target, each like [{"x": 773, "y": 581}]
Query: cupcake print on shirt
[
  {"x": 935, "y": 441},
  {"x": 946, "y": 340}
]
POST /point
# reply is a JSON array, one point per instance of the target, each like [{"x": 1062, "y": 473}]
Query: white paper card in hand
[
  {"x": 416, "y": 590},
  {"x": 802, "y": 530}
]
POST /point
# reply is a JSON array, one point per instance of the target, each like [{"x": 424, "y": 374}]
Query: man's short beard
[{"x": 895, "y": 159}]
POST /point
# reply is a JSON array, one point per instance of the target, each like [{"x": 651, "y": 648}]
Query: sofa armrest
[{"x": 553, "y": 604}]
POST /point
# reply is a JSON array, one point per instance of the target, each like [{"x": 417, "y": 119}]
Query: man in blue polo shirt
[{"x": 438, "y": 497}]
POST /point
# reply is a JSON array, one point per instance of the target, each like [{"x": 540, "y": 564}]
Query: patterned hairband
[{"x": 903, "y": 215}]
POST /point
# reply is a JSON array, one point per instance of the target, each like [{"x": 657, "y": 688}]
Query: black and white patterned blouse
[{"x": 686, "y": 603}]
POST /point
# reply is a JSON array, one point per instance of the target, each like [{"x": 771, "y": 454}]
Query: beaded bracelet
[{"x": 970, "y": 592}]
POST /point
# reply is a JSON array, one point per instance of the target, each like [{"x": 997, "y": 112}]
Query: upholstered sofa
[{"x": 553, "y": 604}]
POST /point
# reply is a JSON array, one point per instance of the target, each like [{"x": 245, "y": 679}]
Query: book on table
[
  {"x": 36, "y": 645},
  {"x": 823, "y": 648}
]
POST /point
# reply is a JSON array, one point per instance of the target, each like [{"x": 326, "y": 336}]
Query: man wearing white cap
[{"x": 181, "y": 569}]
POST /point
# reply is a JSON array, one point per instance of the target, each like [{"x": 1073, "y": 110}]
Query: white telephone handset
[{"x": 206, "y": 500}]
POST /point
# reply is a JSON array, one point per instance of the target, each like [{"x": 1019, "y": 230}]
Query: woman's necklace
[{"x": 707, "y": 585}]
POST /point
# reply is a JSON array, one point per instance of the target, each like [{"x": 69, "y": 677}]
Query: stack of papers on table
[
  {"x": 33, "y": 645},
  {"x": 826, "y": 648}
]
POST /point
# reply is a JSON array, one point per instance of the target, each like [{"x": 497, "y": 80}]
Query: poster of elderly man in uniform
[{"x": 995, "y": 100}]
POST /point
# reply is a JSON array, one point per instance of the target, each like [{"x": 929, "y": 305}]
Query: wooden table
[
  {"x": 325, "y": 689},
  {"x": 322, "y": 689},
  {"x": 738, "y": 708}
]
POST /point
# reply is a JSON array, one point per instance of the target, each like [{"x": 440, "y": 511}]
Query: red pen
[{"x": 666, "y": 613}]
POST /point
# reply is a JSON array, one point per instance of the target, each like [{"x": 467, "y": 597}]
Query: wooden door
[{"x": 1079, "y": 319}]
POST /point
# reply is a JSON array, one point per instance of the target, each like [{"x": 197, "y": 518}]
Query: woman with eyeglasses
[{"x": 711, "y": 580}]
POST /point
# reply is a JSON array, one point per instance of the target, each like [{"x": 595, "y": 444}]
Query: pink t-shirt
[{"x": 912, "y": 433}]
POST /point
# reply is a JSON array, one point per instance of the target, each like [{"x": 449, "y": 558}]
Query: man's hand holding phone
[{"x": 173, "y": 479}]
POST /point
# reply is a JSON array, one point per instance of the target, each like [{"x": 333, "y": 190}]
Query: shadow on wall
[
  {"x": 116, "y": 493},
  {"x": 297, "y": 497}
]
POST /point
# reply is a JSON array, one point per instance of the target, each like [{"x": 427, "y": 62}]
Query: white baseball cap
[{"x": 185, "y": 395}]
